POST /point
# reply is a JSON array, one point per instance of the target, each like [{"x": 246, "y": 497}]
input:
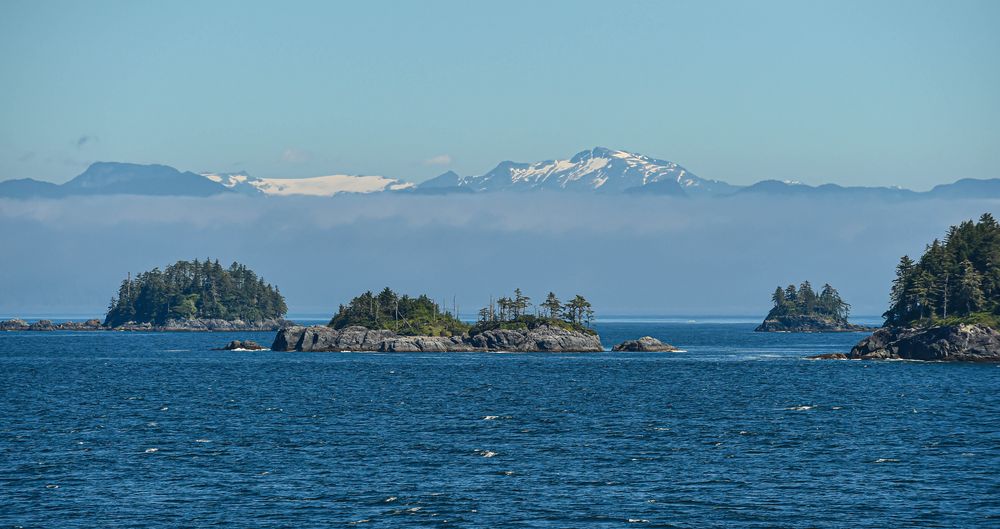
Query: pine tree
[{"x": 552, "y": 305}]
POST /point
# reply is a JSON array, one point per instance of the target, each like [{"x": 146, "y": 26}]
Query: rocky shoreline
[
  {"x": 194, "y": 325},
  {"x": 809, "y": 324},
  {"x": 945, "y": 343},
  {"x": 646, "y": 344},
  {"x": 360, "y": 339}
]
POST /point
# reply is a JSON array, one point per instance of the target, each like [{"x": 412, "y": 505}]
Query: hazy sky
[{"x": 889, "y": 93}]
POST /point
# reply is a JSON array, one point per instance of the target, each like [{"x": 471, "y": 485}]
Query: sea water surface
[{"x": 157, "y": 430}]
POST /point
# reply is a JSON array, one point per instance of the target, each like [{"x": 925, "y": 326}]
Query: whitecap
[
  {"x": 390, "y": 499},
  {"x": 151, "y": 450},
  {"x": 51, "y": 486},
  {"x": 661, "y": 429},
  {"x": 202, "y": 441},
  {"x": 491, "y": 417},
  {"x": 887, "y": 460},
  {"x": 638, "y": 520},
  {"x": 165, "y": 408},
  {"x": 486, "y": 453},
  {"x": 800, "y": 408}
]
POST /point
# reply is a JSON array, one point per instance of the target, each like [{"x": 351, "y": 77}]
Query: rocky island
[
  {"x": 646, "y": 344},
  {"x": 803, "y": 310},
  {"x": 184, "y": 297},
  {"x": 388, "y": 322},
  {"x": 946, "y": 306},
  {"x": 197, "y": 296}
]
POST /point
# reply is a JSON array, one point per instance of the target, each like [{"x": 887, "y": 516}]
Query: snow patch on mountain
[
  {"x": 598, "y": 169},
  {"x": 319, "y": 186}
]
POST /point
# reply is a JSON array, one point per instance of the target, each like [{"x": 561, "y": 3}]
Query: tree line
[
  {"x": 195, "y": 289},
  {"x": 577, "y": 311},
  {"x": 958, "y": 278},
  {"x": 804, "y": 301},
  {"x": 403, "y": 314}
]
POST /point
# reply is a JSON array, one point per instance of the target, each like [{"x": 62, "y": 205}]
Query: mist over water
[{"x": 627, "y": 254}]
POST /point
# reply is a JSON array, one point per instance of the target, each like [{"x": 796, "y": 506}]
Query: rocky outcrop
[
  {"x": 243, "y": 345},
  {"x": 808, "y": 324},
  {"x": 646, "y": 344},
  {"x": 949, "y": 343},
  {"x": 541, "y": 338},
  {"x": 207, "y": 325}
]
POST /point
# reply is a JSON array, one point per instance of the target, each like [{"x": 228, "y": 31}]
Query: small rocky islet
[{"x": 802, "y": 309}]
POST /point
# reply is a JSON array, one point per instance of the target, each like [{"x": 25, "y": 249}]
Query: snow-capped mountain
[
  {"x": 599, "y": 169},
  {"x": 319, "y": 186}
]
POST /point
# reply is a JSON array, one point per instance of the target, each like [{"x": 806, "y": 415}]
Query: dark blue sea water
[{"x": 156, "y": 430}]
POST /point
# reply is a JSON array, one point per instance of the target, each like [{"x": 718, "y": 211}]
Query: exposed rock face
[
  {"x": 542, "y": 338},
  {"x": 14, "y": 325},
  {"x": 243, "y": 345},
  {"x": 953, "y": 343},
  {"x": 170, "y": 325},
  {"x": 808, "y": 324},
  {"x": 206, "y": 325},
  {"x": 646, "y": 344}
]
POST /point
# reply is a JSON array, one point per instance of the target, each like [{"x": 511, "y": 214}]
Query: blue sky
[{"x": 872, "y": 93}]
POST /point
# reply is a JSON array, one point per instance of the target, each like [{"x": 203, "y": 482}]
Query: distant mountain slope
[
  {"x": 968, "y": 188},
  {"x": 599, "y": 170},
  {"x": 28, "y": 188},
  {"x": 113, "y": 178},
  {"x": 780, "y": 188}
]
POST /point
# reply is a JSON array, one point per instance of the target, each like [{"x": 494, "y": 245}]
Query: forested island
[
  {"x": 803, "y": 310},
  {"x": 197, "y": 295},
  {"x": 946, "y": 305},
  {"x": 391, "y": 322}
]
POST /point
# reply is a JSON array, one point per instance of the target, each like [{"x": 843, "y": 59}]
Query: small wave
[
  {"x": 887, "y": 460},
  {"x": 151, "y": 450}
]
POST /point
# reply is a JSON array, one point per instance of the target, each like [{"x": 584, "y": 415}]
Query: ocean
[{"x": 105, "y": 429}]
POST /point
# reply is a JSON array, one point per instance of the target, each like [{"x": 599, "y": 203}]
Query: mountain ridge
[{"x": 598, "y": 170}]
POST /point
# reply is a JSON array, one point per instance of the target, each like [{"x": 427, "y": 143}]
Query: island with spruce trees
[
  {"x": 946, "y": 306},
  {"x": 389, "y": 322},
  {"x": 185, "y": 296},
  {"x": 803, "y": 310}
]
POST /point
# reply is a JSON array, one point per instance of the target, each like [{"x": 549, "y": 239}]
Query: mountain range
[{"x": 598, "y": 170}]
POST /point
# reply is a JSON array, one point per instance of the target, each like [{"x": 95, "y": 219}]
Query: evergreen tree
[{"x": 552, "y": 306}]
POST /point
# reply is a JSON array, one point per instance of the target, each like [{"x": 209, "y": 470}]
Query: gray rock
[
  {"x": 14, "y": 325},
  {"x": 248, "y": 345},
  {"x": 949, "y": 343},
  {"x": 808, "y": 324},
  {"x": 542, "y": 338},
  {"x": 645, "y": 344}
]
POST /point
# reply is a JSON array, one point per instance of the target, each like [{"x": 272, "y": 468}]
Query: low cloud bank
[{"x": 629, "y": 255}]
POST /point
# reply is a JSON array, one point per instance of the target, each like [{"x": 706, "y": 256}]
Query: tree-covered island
[
  {"x": 946, "y": 305},
  {"x": 422, "y": 316},
  {"x": 803, "y": 310},
  {"x": 201, "y": 295},
  {"x": 391, "y": 322}
]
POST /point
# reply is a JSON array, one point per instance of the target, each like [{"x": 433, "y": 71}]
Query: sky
[{"x": 853, "y": 92}]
